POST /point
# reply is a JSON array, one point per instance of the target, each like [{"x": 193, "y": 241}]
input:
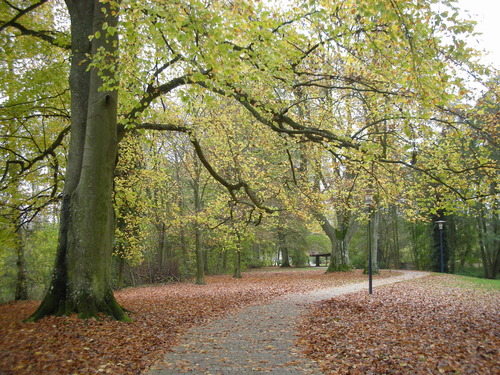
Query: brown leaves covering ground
[
  {"x": 67, "y": 345},
  {"x": 426, "y": 326}
]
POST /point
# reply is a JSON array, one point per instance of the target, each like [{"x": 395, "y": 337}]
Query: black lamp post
[
  {"x": 369, "y": 202},
  {"x": 440, "y": 224}
]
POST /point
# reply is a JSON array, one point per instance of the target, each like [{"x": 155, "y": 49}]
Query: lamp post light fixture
[
  {"x": 440, "y": 224},
  {"x": 369, "y": 203}
]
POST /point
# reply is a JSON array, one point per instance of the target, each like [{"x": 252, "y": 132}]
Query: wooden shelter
[{"x": 318, "y": 256}]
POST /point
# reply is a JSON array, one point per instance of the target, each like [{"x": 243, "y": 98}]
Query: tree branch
[
  {"x": 162, "y": 127},
  {"x": 27, "y": 164},
  {"x": 151, "y": 94},
  {"x": 21, "y": 12},
  {"x": 41, "y": 35},
  {"x": 232, "y": 188}
]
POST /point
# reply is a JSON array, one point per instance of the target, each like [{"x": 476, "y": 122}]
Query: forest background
[{"x": 239, "y": 135}]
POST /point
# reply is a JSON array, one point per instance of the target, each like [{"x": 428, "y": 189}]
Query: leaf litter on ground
[
  {"x": 433, "y": 325},
  {"x": 160, "y": 313}
]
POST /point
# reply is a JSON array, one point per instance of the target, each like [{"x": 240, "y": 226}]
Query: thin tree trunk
[
  {"x": 237, "y": 258},
  {"x": 375, "y": 240},
  {"x": 121, "y": 265},
  {"x": 169, "y": 264},
  {"x": 200, "y": 269},
  {"x": 452, "y": 247},
  {"x": 200, "y": 264},
  {"x": 21, "y": 287},
  {"x": 482, "y": 243},
  {"x": 237, "y": 264},
  {"x": 205, "y": 261},
  {"x": 414, "y": 245},
  {"x": 285, "y": 261},
  {"x": 184, "y": 249},
  {"x": 224, "y": 260},
  {"x": 495, "y": 262}
]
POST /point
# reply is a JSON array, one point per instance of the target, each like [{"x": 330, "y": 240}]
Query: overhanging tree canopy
[{"x": 132, "y": 63}]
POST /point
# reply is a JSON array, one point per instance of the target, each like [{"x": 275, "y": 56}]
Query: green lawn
[{"x": 477, "y": 283}]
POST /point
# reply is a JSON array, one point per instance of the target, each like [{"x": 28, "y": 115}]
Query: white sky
[{"x": 487, "y": 14}]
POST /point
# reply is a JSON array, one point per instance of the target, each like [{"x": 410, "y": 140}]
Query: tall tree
[
  {"x": 81, "y": 280},
  {"x": 21, "y": 287},
  {"x": 241, "y": 52},
  {"x": 487, "y": 142}
]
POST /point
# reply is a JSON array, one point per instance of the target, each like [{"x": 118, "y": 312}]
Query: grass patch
[
  {"x": 469, "y": 271},
  {"x": 468, "y": 282}
]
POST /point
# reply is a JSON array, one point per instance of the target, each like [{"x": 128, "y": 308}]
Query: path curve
[{"x": 255, "y": 340}]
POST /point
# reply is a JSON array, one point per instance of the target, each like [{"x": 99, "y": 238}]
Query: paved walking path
[{"x": 256, "y": 340}]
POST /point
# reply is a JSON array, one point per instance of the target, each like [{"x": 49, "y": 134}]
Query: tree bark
[
  {"x": 339, "y": 240},
  {"x": 375, "y": 240},
  {"x": 200, "y": 268},
  {"x": 198, "y": 232},
  {"x": 119, "y": 278},
  {"x": 495, "y": 261},
  {"x": 452, "y": 239},
  {"x": 488, "y": 231},
  {"x": 21, "y": 287},
  {"x": 168, "y": 262},
  {"x": 495, "y": 265},
  {"x": 237, "y": 263},
  {"x": 81, "y": 280},
  {"x": 482, "y": 243},
  {"x": 414, "y": 245},
  {"x": 285, "y": 261}
]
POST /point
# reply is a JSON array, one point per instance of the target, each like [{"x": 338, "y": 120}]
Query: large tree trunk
[
  {"x": 339, "y": 240},
  {"x": 81, "y": 281}
]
